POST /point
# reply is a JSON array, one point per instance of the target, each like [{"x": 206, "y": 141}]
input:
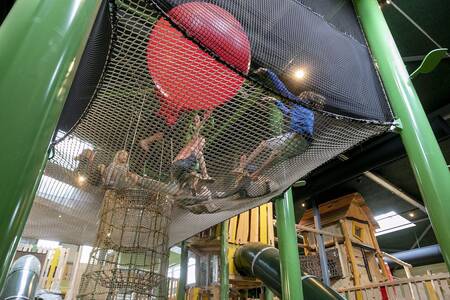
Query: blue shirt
[
  {"x": 301, "y": 118},
  {"x": 275, "y": 83}
]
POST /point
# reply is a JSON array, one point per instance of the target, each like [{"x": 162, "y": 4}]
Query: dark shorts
[
  {"x": 182, "y": 167},
  {"x": 289, "y": 144}
]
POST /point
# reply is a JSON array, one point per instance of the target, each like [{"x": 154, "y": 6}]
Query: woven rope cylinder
[{"x": 130, "y": 257}]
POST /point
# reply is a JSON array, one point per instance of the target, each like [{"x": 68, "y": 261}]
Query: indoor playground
[{"x": 224, "y": 149}]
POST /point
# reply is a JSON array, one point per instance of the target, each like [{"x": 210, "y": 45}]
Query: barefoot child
[{"x": 301, "y": 126}]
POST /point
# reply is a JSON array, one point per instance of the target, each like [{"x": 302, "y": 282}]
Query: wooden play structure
[
  {"x": 348, "y": 228},
  {"x": 255, "y": 225},
  {"x": 355, "y": 262}
]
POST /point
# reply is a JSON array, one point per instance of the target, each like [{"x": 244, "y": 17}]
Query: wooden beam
[
  {"x": 396, "y": 260},
  {"x": 317, "y": 231},
  {"x": 378, "y": 252},
  {"x": 441, "y": 276},
  {"x": 351, "y": 255}
]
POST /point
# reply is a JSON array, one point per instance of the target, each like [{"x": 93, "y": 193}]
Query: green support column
[
  {"x": 41, "y": 42},
  {"x": 181, "y": 292},
  {"x": 268, "y": 295},
  {"x": 224, "y": 276},
  {"x": 291, "y": 282},
  {"x": 425, "y": 156}
]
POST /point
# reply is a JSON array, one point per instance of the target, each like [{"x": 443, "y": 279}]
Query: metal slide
[{"x": 263, "y": 262}]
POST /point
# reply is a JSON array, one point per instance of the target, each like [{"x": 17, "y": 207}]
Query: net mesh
[
  {"x": 130, "y": 256},
  {"x": 200, "y": 124}
]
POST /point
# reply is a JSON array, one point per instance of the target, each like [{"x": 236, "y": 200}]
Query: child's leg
[
  {"x": 191, "y": 147},
  {"x": 267, "y": 162},
  {"x": 201, "y": 160},
  {"x": 202, "y": 163},
  {"x": 261, "y": 147},
  {"x": 145, "y": 143}
]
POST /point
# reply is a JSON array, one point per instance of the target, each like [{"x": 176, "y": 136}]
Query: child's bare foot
[
  {"x": 242, "y": 163},
  {"x": 260, "y": 71},
  {"x": 144, "y": 145},
  {"x": 207, "y": 178}
]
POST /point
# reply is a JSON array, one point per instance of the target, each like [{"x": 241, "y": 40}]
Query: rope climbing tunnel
[{"x": 183, "y": 114}]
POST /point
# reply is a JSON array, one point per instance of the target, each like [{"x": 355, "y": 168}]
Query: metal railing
[{"x": 432, "y": 287}]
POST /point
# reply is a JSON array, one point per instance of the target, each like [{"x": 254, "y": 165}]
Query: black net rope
[{"x": 207, "y": 106}]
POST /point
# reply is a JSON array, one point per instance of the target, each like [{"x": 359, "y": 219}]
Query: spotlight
[
  {"x": 81, "y": 179},
  {"x": 60, "y": 216},
  {"x": 299, "y": 74},
  {"x": 411, "y": 215},
  {"x": 303, "y": 204}
]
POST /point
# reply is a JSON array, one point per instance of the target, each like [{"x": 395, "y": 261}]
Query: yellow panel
[
  {"x": 263, "y": 223},
  {"x": 195, "y": 293},
  {"x": 231, "y": 267},
  {"x": 431, "y": 292},
  {"x": 52, "y": 267},
  {"x": 254, "y": 225},
  {"x": 232, "y": 229},
  {"x": 271, "y": 238},
  {"x": 242, "y": 230}
]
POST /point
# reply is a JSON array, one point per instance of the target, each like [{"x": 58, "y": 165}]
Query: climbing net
[
  {"x": 130, "y": 255},
  {"x": 215, "y": 107}
]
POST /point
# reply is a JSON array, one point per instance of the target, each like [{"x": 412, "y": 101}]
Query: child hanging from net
[
  {"x": 189, "y": 166},
  {"x": 301, "y": 126},
  {"x": 117, "y": 175}
]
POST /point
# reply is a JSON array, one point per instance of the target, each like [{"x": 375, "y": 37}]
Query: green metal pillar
[
  {"x": 224, "y": 276},
  {"x": 425, "y": 156},
  {"x": 41, "y": 42},
  {"x": 181, "y": 292},
  {"x": 291, "y": 279},
  {"x": 268, "y": 295}
]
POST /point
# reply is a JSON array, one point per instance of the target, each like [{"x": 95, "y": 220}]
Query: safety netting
[
  {"x": 215, "y": 106},
  {"x": 130, "y": 257}
]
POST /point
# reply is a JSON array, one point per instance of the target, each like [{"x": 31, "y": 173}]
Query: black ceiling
[{"x": 434, "y": 92}]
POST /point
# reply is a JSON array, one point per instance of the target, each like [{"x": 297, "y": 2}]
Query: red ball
[{"x": 186, "y": 77}]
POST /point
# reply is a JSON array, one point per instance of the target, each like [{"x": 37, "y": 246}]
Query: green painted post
[
  {"x": 224, "y": 276},
  {"x": 425, "y": 156},
  {"x": 268, "y": 295},
  {"x": 291, "y": 279},
  {"x": 184, "y": 259},
  {"x": 41, "y": 42}
]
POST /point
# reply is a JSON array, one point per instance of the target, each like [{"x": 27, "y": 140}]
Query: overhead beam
[
  {"x": 420, "y": 238},
  {"x": 395, "y": 190},
  {"x": 417, "y": 58},
  {"x": 379, "y": 152}
]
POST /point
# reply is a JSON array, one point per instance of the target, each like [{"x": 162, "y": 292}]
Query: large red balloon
[{"x": 186, "y": 77}]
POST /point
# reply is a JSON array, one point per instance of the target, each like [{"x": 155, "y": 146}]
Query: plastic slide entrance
[{"x": 263, "y": 262}]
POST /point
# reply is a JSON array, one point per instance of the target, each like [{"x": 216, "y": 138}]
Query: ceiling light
[
  {"x": 81, "y": 179},
  {"x": 411, "y": 215},
  {"x": 299, "y": 74},
  {"x": 303, "y": 204}
]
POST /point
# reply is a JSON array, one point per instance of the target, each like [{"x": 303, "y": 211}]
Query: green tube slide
[{"x": 263, "y": 262}]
